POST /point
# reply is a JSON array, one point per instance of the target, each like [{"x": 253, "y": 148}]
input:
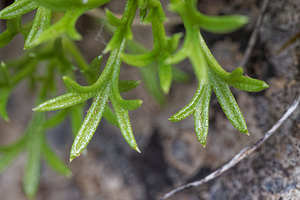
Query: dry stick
[
  {"x": 253, "y": 36},
  {"x": 240, "y": 156}
]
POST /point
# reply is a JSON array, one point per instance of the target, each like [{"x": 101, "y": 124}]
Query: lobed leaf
[
  {"x": 66, "y": 25},
  {"x": 63, "y": 101}
]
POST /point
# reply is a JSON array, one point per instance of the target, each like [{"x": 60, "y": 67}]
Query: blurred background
[{"x": 171, "y": 154}]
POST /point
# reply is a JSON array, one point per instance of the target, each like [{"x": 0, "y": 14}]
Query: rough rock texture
[{"x": 171, "y": 154}]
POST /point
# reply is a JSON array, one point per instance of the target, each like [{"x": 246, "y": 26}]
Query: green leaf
[
  {"x": 112, "y": 19},
  {"x": 54, "y": 161},
  {"x": 63, "y": 101},
  {"x": 190, "y": 107},
  {"x": 9, "y": 156},
  {"x": 76, "y": 118},
  {"x": 41, "y": 22},
  {"x": 124, "y": 125},
  {"x": 4, "y": 93},
  {"x": 6, "y": 37},
  {"x": 179, "y": 76},
  {"x": 110, "y": 116},
  {"x": 90, "y": 123},
  {"x": 126, "y": 86},
  {"x": 172, "y": 43},
  {"x": 56, "y": 119},
  {"x": 201, "y": 112},
  {"x": 33, "y": 166},
  {"x": 66, "y": 25},
  {"x": 228, "y": 103},
  {"x": 221, "y": 24},
  {"x": 17, "y": 9},
  {"x": 130, "y": 104},
  {"x": 165, "y": 77},
  {"x": 139, "y": 60},
  {"x": 151, "y": 83},
  {"x": 237, "y": 80},
  {"x": 59, "y": 5}
]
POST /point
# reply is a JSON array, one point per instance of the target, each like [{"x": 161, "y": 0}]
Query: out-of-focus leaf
[
  {"x": 4, "y": 93},
  {"x": 9, "y": 156},
  {"x": 165, "y": 77},
  {"x": 179, "y": 75},
  {"x": 126, "y": 86},
  {"x": 56, "y": 119},
  {"x": 110, "y": 116},
  {"x": 130, "y": 104},
  {"x": 76, "y": 118},
  {"x": 54, "y": 161},
  {"x": 34, "y": 144},
  {"x": 112, "y": 19}
]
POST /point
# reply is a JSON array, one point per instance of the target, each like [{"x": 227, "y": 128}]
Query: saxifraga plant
[{"x": 50, "y": 40}]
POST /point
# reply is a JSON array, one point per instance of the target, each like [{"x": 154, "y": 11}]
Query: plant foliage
[{"x": 49, "y": 39}]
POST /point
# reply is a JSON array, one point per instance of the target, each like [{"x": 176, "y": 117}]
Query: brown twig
[
  {"x": 240, "y": 156},
  {"x": 253, "y": 36}
]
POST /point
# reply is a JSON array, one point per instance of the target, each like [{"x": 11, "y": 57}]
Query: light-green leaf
[
  {"x": 127, "y": 85},
  {"x": 17, "y": 9},
  {"x": 201, "y": 112},
  {"x": 64, "y": 101},
  {"x": 124, "y": 125},
  {"x": 90, "y": 123},
  {"x": 165, "y": 77},
  {"x": 4, "y": 93},
  {"x": 41, "y": 22},
  {"x": 228, "y": 103}
]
